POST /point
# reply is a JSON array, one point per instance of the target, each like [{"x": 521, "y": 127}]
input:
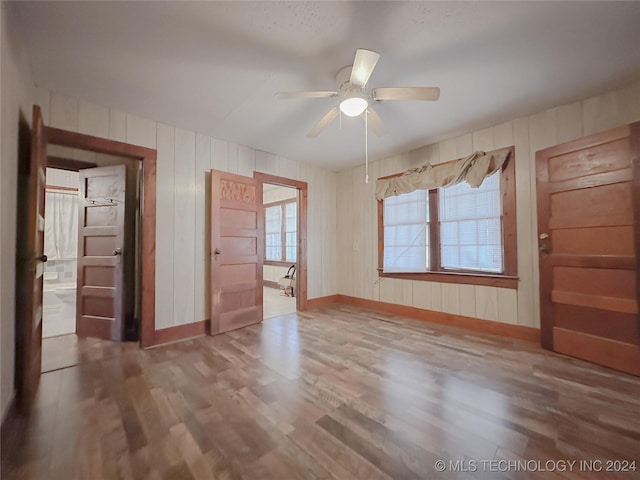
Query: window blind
[
  {"x": 273, "y": 233},
  {"x": 291, "y": 225},
  {"x": 471, "y": 226},
  {"x": 406, "y": 232}
]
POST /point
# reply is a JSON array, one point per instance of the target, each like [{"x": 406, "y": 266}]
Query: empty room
[{"x": 316, "y": 240}]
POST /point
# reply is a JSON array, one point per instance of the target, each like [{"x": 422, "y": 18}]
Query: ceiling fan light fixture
[{"x": 353, "y": 106}]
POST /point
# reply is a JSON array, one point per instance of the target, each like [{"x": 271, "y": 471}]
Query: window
[
  {"x": 471, "y": 226},
  {"x": 273, "y": 233},
  {"x": 290, "y": 233},
  {"x": 406, "y": 232},
  {"x": 457, "y": 234},
  {"x": 281, "y": 221}
]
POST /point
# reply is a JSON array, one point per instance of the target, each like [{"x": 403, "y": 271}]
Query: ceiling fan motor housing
[{"x": 343, "y": 80}]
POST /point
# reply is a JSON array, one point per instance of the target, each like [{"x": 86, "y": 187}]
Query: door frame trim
[
  {"x": 148, "y": 157},
  {"x": 635, "y": 192},
  {"x": 301, "y": 264}
]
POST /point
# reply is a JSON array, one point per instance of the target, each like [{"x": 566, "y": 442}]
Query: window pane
[
  {"x": 291, "y": 247},
  {"x": 450, "y": 255},
  {"x": 276, "y": 237},
  {"x": 291, "y": 212},
  {"x": 449, "y": 233},
  {"x": 471, "y": 226},
  {"x": 406, "y": 232},
  {"x": 273, "y": 213},
  {"x": 273, "y": 233}
]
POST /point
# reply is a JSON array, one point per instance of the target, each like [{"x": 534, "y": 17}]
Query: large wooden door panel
[
  {"x": 237, "y": 243},
  {"x": 100, "y": 304},
  {"x": 588, "y": 202},
  {"x": 604, "y": 158}
]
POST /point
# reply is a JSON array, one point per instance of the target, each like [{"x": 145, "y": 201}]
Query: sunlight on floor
[{"x": 275, "y": 304}]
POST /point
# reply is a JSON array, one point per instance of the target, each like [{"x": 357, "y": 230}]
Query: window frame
[
  {"x": 507, "y": 279},
  {"x": 283, "y": 235}
]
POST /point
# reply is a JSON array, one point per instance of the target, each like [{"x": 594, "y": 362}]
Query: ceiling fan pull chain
[{"x": 366, "y": 146}]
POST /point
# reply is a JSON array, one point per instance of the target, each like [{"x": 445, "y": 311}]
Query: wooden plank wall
[
  {"x": 184, "y": 161},
  {"x": 357, "y": 215},
  {"x": 345, "y": 231}
]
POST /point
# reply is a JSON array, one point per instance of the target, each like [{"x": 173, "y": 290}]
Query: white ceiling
[{"x": 214, "y": 67}]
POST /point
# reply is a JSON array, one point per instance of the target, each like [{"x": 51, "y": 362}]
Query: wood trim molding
[
  {"x": 509, "y": 219},
  {"x": 180, "y": 332},
  {"x": 592, "y": 140},
  {"x": 519, "y": 332},
  {"x": 635, "y": 185},
  {"x": 303, "y": 200},
  {"x": 322, "y": 301},
  {"x": 68, "y": 138},
  {"x": 68, "y": 163},
  {"x": 281, "y": 181},
  {"x": 273, "y": 263},
  {"x": 64, "y": 189},
  {"x": 148, "y": 157},
  {"x": 501, "y": 281}
]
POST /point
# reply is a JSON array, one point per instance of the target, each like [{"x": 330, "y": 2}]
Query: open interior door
[
  {"x": 237, "y": 244},
  {"x": 100, "y": 297},
  {"x": 30, "y": 265}
]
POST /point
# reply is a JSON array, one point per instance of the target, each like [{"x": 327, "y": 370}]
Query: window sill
[
  {"x": 502, "y": 281},
  {"x": 278, "y": 263}
]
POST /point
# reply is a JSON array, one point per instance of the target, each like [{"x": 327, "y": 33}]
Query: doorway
[
  {"x": 284, "y": 199},
  {"x": 30, "y": 258},
  {"x": 65, "y": 310},
  {"x": 61, "y": 249},
  {"x": 237, "y": 248},
  {"x": 279, "y": 277}
]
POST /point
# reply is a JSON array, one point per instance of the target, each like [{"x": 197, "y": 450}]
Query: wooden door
[
  {"x": 589, "y": 241},
  {"x": 237, "y": 239},
  {"x": 30, "y": 264},
  {"x": 101, "y": 217}
]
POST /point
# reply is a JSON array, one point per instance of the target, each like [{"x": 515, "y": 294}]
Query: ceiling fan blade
[
  {"x": 318, "y": 94},
  {"x": 406, "y": 93},
  {"x": 324, "y": 121},
  {"x": 374, "y": 121},
  {"x": 363, "y": 66}
]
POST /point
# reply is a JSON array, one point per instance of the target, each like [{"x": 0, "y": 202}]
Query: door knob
[
  {"x": 42, "y": 258},
  {"x": 117, "y": 251},
  {"x": 543, "y": 246},
  {"x": 217, "y": 251}
]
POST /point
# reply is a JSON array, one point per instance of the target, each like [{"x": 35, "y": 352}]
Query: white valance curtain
[
  {"x": 472, "y": 169},
  {"x": 61, "y": 225}
]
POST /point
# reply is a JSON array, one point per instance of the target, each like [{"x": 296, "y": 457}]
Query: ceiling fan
[{"x": 355, "y": 99}]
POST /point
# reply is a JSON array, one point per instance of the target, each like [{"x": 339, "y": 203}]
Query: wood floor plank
[{"x": 334, "y": 393}]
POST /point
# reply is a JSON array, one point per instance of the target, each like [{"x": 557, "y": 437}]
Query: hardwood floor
[
  {"x": 275, "y": 305},
  {"x": 333, "y": 393}
]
